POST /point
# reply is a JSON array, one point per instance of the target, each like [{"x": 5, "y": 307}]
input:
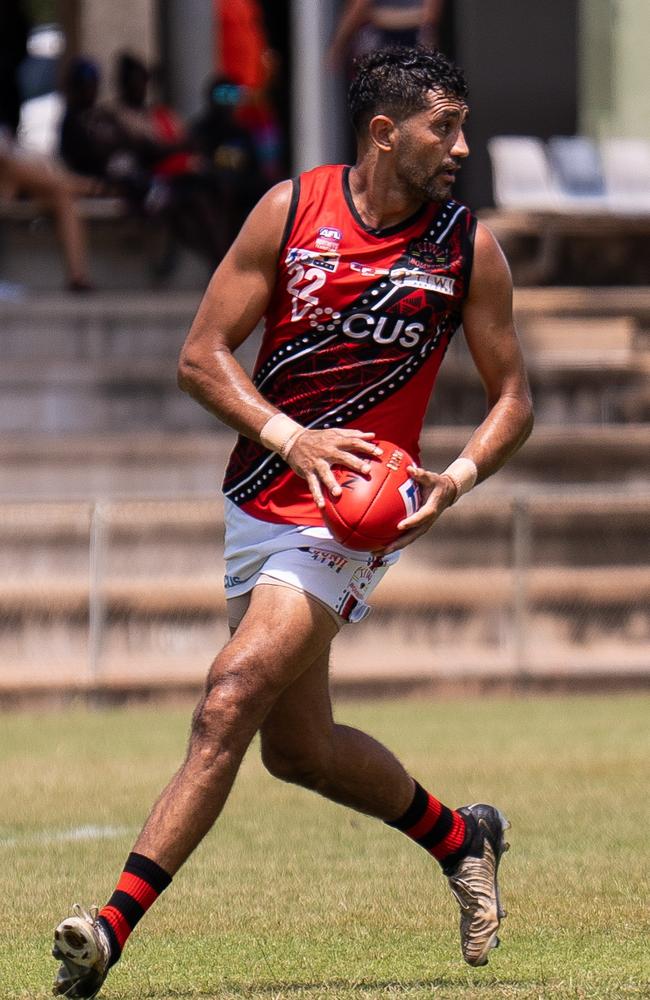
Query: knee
[
  {"x": 305, "y": 766},
  {"x": 236, "y": 699}
]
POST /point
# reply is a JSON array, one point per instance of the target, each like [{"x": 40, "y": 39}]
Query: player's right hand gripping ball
[{"x": 366, "y": 514}]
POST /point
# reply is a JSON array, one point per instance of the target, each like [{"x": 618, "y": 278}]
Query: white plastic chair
[
  {"x": 578, "y": 172},
  {"x": 522, "y": 177},
  {"x": 626, "y": 164}
]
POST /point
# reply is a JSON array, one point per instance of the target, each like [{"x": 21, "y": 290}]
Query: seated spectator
[
  {"x": 229, "y": 151},
  {"x": 259, "y": 117},
  {"x": 94, "y": 143},
  {"x": 154, "y": 128},
  {"x": 55, "y": 190},
  {"x": 142, "y": 153},
  {"x": 180, "y": 190}
]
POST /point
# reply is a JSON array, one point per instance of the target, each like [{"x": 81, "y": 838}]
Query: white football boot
[
  {"x": 81, "y": 943},
  {"x": 473, "y": 881}
]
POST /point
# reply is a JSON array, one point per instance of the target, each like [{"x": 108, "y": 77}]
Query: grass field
[{"x": 291, "y": 896}]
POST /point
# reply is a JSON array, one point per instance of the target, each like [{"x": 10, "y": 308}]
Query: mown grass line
[{"x": 292, "y": 896}]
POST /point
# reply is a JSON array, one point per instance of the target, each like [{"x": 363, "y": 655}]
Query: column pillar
[
  {"x": 189, "y": 32},
  {"x": 318, "y": 93}
]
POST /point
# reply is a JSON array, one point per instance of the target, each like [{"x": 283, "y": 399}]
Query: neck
[{"x": 379, "y": 197}]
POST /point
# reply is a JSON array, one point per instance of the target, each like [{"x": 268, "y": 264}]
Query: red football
[{"x": 366, "y": 514}]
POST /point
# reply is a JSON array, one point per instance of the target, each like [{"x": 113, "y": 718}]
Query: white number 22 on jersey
[{"x": 302, "y": 298}]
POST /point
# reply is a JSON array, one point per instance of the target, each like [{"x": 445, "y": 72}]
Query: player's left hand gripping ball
[{"x": 366, "y": 514}]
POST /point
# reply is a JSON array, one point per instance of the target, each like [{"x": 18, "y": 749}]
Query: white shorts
[{"x": 306, "y": 558}]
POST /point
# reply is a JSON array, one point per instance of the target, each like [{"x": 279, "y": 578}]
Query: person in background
[
  {"x": 180, "y": 189},
  {"x": 366, "y": 25},
  {"x": 15, "y": 26},
  {"x": 93, "y": 143},
  {"x": 246, "y": 57},
  {"x": 229, "y": 153},
  {"x": 56, "y": 190},
  {"x": 244, "y": 54}
]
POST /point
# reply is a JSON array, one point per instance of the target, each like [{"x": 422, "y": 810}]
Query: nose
[{"x": 460, "y": 147}]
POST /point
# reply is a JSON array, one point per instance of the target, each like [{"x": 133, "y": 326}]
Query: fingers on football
[
  {"x": 421, "y": 476},
  {"x": 351, "y": 461},
  {"x": 315, "y": 489},
  {"x": 361, "y": 441},
  {"x": 421, "y": 517},
  {"x": 327, "y": 478},
  {"x": 351, "y": 432}
]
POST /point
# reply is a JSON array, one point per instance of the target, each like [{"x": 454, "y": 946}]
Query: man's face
[{"x": 430, "y": 146}]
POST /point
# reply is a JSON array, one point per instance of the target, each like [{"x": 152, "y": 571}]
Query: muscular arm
[
  {"x": 233, "y": 305},
  {"x": 490, "y": 333},
  {"x": 492, "y": 339}
]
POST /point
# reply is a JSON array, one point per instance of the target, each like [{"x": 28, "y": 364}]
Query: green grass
[{"x": 293, "y": 897}]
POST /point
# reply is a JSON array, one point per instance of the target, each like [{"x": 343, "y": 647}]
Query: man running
[{"x": 362, "y": 276}]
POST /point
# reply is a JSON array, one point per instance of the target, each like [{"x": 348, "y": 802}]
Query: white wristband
[
  {"x": 280, "y": 433},
  {"x": 463, "y": 474}
]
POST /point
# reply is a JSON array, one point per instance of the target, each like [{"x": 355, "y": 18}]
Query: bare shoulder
[
  {"x": 261, "y": 234},
  {"x": 490, "y": 270}
]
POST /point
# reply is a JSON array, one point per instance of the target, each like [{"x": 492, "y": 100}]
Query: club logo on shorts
[
  {"x": 361, "y": 580},
  {"x": 327, "y": 558}
]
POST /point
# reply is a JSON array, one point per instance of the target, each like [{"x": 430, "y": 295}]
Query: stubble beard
[{"x": 423, "y": 187}]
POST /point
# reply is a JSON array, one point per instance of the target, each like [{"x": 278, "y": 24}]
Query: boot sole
[{"x": 501, "y": 849}]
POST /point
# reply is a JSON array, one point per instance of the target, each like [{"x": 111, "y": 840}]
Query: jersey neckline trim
[{"x": 389, "y": 230}]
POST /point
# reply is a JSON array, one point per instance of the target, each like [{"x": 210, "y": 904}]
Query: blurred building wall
[
  {"x": 521, "y": 63},
  {"x": 614, "y": 68},
  {"x": 105, "y": 28}
]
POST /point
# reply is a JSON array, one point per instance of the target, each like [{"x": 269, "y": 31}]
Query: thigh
[
  {"x": 281, "y": 635},
  {"x": 301, "y": 718}
]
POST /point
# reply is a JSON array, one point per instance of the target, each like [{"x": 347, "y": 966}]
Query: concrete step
[
  {"x": 106, "y": 363},
  {"x": 125, "y": 254},
  {"x": 100, "y": 326},
  {"x": 150, "y": 464},
  {"x": 149, "y": 538},
  {"x": 70, "y": 397},
  {"x": 424, "y": 623}
]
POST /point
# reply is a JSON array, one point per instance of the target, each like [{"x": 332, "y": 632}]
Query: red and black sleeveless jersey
[{"x": 355, "y": 332}]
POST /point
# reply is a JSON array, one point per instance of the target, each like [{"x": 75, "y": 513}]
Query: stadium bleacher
[{"x": 125, "y": 593}]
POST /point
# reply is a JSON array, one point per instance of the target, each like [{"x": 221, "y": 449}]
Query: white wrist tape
[
  {"x": 280, "y": 433},
  {"x": 463, "y": 474}
]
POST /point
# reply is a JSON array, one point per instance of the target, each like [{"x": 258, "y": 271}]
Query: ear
[{"x": 382, "y": 132}]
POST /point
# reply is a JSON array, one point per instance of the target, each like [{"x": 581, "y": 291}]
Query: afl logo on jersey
[{"x": 328, "y": 238}]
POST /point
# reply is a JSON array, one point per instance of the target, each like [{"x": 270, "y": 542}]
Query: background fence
[{"x": 529, "y": 584}]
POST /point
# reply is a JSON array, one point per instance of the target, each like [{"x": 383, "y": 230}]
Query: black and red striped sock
[
  {"x": 439, "y": 830},
  {"x": 139, "y": 886}
]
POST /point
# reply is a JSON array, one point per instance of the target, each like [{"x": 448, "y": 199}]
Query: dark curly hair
[{"x": 396, "y": 81}]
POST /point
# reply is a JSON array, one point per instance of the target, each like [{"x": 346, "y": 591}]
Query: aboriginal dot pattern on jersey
[{"x": 324, "y": 378}]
